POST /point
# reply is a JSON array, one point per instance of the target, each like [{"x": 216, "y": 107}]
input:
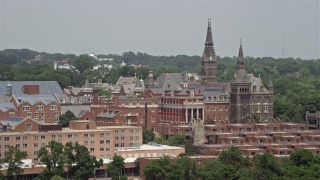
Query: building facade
[{"x": 250, "y": 100}]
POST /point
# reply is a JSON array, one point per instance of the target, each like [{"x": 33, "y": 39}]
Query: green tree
[
  {"x": 52, "y": 156},
  {"x": 115, "y": 167},
  {"x": 79, "y": 162},
  {"x": 66, "y": 118},
  {"x": 163, "y": 169},
  {"x": 14, "y": 161},
  {"x": 189, "y": 167},
  {"x": 148, "y": 135},
  {"x": 84, "y": 63},
  {"x": 267, "y": 165},
  {"x": 178, "y": 139}
]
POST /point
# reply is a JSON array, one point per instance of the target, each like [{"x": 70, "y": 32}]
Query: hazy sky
[{"x": 166, "y": 27}]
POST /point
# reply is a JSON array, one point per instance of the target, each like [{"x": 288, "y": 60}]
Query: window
[
  {"x": 6, "y": 138},
  {"x": 25, "y": 145},
  {"x": 116, "y": 138},
  {"x": 25, "y": 108},
  {"x": 91, "y": 143},
  {"x": 40, "y": 107},
  {"x": 69, "y": 136},
  {"x": 101, "y": 134},
  {"x": 43, "y": 114},
  {"x": 116, "y": 131},
  {"x": 220, "y": 108},
  {"x": 29, "y": 114},
  {"x": 116, "y": 145},
  {"x": 91, "y": 135},
  {"x": 131, "y": 137},
  {"x": 25, "y": 138},
  {"x": 122, "y": 130},
  {"x": 53, "y": 136},
  {"x": 152, "y": 119},
  {"x": 43, "y": 144},
  {"x": 208, "y": 108},
  {"x": 101, "y": 149},
  {"x": 59, "y": 136},
  {"x": 35, "y": 145},
  {"x": 122, "y": 138},
  {"x": 122, "y": 144},
  {"x": 108, "y": 134},
  {"x": 18, "y": 138},
  {"x": 43, "y": 137},
  {"x": 36, "y": 114},
  {"x": 18, "y": 146},
  {"x": 53, "y": 107},
  {"x": 35, "y": 137},
  {"x": 107, "y": 141},
  {"x": 214, "y": 108},
  {"x": 86, "y": 143},
  {"x": 91, "y": 149},
  {"x": 152, "y": 109},
  {"x": 137, "y": 130},
  {"x": 137, "y": 137},
  {"x": 101, "y": 141},
  {"x": 76, "y": 136},
  {"x": 131, "y": 130},
  {"x": 56, "y": 113},
  {"x": 56, "y": 119},
  {"x": 86, "y": 135}
]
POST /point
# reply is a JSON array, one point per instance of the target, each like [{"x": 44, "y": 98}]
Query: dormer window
[
  {"x": 72, "y": 101},
  {"x": 40, "y": 107},
  {"x": 80, "y": 100},
  {"x": 63, "y": 101}
]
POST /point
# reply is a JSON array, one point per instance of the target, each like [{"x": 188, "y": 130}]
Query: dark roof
[
  {"x": 33, "y": 99},
  {"x": 4, "y": 107},
  {"x": 45, "y": 87}
]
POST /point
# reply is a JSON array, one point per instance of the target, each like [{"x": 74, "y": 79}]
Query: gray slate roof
[
  {"x": 45, "y": 87},
  {"x": 33, "y": 99},
  {"x": 4, "y": 107}
]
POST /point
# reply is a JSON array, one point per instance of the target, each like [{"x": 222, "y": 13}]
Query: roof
[
  {"x": 126, "y": 80},
  {"x": 45, "y": 87},
  {"x": 108, "y": 114},
  {"x": 33, "y": 99},
  {"x": 4, "y": 107},
  {"x": 171, "y": 80}
]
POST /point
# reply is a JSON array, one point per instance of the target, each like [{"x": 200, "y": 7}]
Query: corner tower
[{"x": 209, "y": 63}]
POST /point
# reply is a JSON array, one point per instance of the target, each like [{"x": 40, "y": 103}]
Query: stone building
[{"x": 250, "y": 100}]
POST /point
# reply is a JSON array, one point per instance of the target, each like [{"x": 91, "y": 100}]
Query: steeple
[
  {"x": 208, "y": 69},
  {"x": 240, "y": 62},
  {"x": 209, "y": 40}
]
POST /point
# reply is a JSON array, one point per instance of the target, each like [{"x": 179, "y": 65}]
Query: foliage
[
  {"x": 53, "y": 157},
  {"x": 79, "y": 162},
  {"x": 14, "y": 161},
  {"x": 116, "y": 166},
  {"x": 66, "y": 118},
  {"x": 148, "y": 135},
  {"x": 163, "y": 169},
  {"x": 176, "y": 140},
  {"x": 77, "y": 159}
]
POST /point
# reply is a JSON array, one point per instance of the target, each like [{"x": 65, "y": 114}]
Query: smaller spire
[
  {"x": 240, "y": 57},
  {"x": 270, "y": 84}
]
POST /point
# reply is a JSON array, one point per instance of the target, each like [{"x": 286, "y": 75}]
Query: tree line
[
  {"x": 301, "y": 164},
  {"x": 296, "y": 81}
]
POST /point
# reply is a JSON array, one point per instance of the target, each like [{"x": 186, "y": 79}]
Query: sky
[{"x": 273, "y": 28}]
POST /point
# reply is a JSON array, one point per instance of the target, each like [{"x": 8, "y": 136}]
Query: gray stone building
[{"x": 250, "y": 100}]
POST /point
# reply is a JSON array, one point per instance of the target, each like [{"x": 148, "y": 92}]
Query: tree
[
  {"x": 189, "y": 167},
  {"x": 267, "y": 165},
  {"x": 148, "y": 135},
  {"x": 301, "y": 157},
  {"x": 163, "y": 169},
  {"x": 84, "y": 63},
  {"x": 178, "y": 139},
  {"x": 14, "y": 161},
  {"x": 116, "y": 166},
  {"x": 235, "y": 157},
  {"x": 79, "y": 162},
  {"x": 66, "y": 118},
  {"x": 52, "y": 156}
]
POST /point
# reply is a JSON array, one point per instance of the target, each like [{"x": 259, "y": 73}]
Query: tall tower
[
  {"x": 250, "y": 100},
  {"x": 240, "y": 92},
  {"x": 209, "y": 62}
]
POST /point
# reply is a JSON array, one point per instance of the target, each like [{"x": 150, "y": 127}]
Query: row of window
[
  {"x": 226, "y": 108},
  {"x": 39, "y": 108}
]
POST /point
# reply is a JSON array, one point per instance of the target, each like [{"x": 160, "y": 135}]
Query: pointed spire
[
  {"x": 209, "y": 39},
  {"x": 240, "y": 57},
  {"x": 87, "y": 84}
]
